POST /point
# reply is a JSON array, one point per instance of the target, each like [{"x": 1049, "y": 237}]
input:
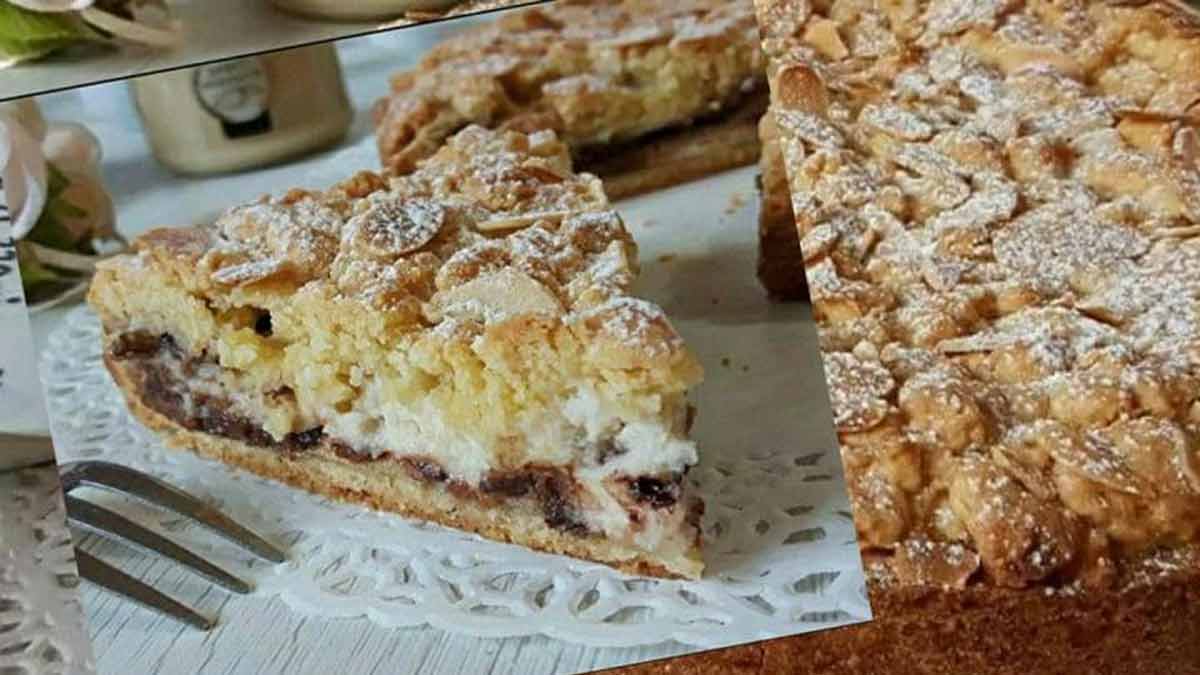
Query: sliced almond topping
[
  {"x": 856, "y": 391},
  {"x": 897, "y": 122},
  {"x": 1094, "y": 458},
  {"x": 392, "y": 226},
  {"x": 798, "y": 87},
  {"x": 818, "y": 242},
  {"x": 822, "y": 34},
  {"x": 811, "y": 128},
  {"x": 249, "y": 272},
  {"x": 639, "y": 36},
  {"x": 504, "y": 222},
  {"x": 497, "y": 296},
  {"x": 923, "y": 562},
  {"x": 1147, "y": 134}
]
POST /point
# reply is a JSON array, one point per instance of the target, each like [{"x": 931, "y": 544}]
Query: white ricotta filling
[{"x": 568, "y": 435}]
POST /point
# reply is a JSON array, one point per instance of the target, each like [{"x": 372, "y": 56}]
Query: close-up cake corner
[
  {"x": 997, "y": 205},
  {"x": 457, "y": 344}
]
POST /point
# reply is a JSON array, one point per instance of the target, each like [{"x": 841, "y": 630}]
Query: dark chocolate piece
[
  {"x": 423, "y": 469},
  {"x": 659, "y": 493}
]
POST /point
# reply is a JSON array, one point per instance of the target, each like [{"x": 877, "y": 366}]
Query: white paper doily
[
  {"x": 41, "y": 620},
  {"x": 779, "y": 541}
]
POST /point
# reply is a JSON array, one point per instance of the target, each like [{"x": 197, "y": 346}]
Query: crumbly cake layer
[
  {"x": 601, "y": 74},
  {"x": 997, "y": 203},
  {"x": 527, "y": 509},
  {"x": 673, "y": 156},
  {"x": 468, "y": 325}
]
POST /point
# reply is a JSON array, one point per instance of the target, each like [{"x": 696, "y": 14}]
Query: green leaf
[
  {"x": 54, "y": 225},
  {"x": 33, "y": 272},
  {"x": 26, "y": 35},
  {"x": 49, "y": 230}
]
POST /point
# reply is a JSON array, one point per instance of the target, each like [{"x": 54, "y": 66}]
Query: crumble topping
[{"x": 998, "y": 209}]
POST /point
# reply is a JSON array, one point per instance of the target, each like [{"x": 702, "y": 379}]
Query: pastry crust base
[
  {"x": 386, "y": 486},
  {"x": 681, "y": 155},
  {"x": 780, "y": 263},
  {"x": 1148, "y": 630}
]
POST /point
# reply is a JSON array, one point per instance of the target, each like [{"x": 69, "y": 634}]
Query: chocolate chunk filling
[
  {"x": 143, "y": 343},
  {"x": 299, "y": 441},
  {"x": 552, "y": 487},
  {"x": 423, "y": 469},
  {"x": 262, "y": 323},
  {"x": 659, "y": 493}
]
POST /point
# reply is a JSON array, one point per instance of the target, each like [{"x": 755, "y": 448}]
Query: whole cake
[
  {"x": 458, "y": 344},
  {"x": 999, "y": 210}
]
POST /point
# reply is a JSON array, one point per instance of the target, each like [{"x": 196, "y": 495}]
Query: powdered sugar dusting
[{"x": 1008, "y": 289}]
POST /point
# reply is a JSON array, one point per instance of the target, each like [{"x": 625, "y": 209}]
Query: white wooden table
[{"x": 257, "y": 635}]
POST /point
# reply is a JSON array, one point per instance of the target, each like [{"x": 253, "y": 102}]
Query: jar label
[{"x": 235, "y": 92}]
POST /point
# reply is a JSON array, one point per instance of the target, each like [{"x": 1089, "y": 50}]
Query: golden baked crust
[
  {"x": 600, "y": 73},
  {"x": 997, "y": 203},
  {"x": 468, "y": 324}
]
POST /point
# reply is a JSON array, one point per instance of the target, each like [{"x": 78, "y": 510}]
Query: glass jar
[{"x": 246, "y": 112}]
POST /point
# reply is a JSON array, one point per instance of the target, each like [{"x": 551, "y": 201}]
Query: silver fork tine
[
  {"x": 113, "y": 579},
  {"x": 104, "y": 521},
  {"x": 126, "y": 481}
]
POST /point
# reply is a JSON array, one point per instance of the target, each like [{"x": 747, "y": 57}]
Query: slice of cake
[
  {"x": 457, "y": 344},
  {"x": 645, "y": 94}
]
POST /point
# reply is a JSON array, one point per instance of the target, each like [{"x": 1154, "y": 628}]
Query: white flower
[
  {"x": 27, "y": 146},
  {"x": 23, "y": 170}
]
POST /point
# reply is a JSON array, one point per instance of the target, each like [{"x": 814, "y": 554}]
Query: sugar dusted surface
[{"x": 999, "y": 215}]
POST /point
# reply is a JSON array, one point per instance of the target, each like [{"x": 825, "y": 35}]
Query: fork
[{"x": 95, "y": 518}]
